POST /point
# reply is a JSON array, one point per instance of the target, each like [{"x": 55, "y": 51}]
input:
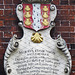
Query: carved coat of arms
[{"x": 36, "y": 53}]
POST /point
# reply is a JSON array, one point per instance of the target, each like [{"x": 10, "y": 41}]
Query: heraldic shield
[{"x": 36, "y": 53}]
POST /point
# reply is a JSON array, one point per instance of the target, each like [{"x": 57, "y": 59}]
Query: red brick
[
  {"x": 14, "y": 28},
  {"x": 68, "y": 45},
  {"x": 1, "y": 1},
  {"x": 1, "y": 56},
  {"x": 65, "y": 29},
  {"x": 15, "y": 22},
  {"x": 7, "y": 34},
  {"x": 2, "y": 51},
  {"x": 56, "y": 2},
  {"x": 57, "y": 23},
  {"x": 72, "y": 73},
  {"x": 72, "y": 23},
  {"x": 10, "y": 6},
  {"x": 7, "y": 1},
  {"x": 64, "y": 2},
  {"x": 19, "y": 34},
  {"x": 72, "y": 40},
  {"x": 65, "y": 7},
  {"x": 67, "y": 39},
  {"x": 4, "y": 40},
  {"x": 64, "y": 23},
  {"x": 73, "y": 57},
  {"x": 65, "y": 34},
  {"x": 73, "y": 63},
  {"x": 72, "y": 12},
  {"x": 7, "y": 22},
  {"x": 4, "y": 46},
  {"x": 0, "y": 45},
  {"x": 1, "y": 23},
  {"x": 72, "y": 46},
  {"x": 72, "y": 2},
  {"x": 1, "y": 12},
  {"x": 73, "y": 69},
  {"x": 16, "y": 1},
  {"x": 1, "y": 34},
  {"x": 5, "y": 29},
  {"x": 63, "y": 12},
  {"x": 59, "y": 12},
  {"x": 8, "y": 12},
  {"x": 1, "y": 6},
  {"x": 10, "y": 17},
  {"x": 65, "y": 17},
  {"x": 1, "y": 62},
  {"x": 14, "y": 12},
  {"x": 72, "y": 52},
  {"x": 72, "y": 35}
]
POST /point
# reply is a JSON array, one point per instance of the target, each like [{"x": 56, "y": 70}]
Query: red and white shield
[{"x": 36, "y": 16}]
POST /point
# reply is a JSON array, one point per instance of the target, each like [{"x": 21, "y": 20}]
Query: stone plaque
[{"x": 36, "y": 53}]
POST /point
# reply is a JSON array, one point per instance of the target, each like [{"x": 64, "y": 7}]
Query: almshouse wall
[{"x": 65, "y": 25}]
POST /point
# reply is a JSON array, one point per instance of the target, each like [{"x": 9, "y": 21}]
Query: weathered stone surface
[{"x": 50, "y": 57}]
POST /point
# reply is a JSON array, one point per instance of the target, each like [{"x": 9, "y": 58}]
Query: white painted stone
[
  {"x": 45, "y": 58},
  {"x": 36, "y": 24}
]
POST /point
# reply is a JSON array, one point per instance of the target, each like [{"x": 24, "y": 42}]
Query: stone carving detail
[
  {"x": 19, "y": 10},
  {"x": 61, "y": 44},
  {"x": 37, "y": 54},
  {"x": 36, "y": 38},
  {"x": 12, "y": 46}
]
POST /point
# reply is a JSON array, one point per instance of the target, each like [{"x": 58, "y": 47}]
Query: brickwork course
[{"x": 65, "y": 25}]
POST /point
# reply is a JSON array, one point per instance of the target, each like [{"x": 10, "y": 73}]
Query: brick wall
[{"x": 65, "y": 25}]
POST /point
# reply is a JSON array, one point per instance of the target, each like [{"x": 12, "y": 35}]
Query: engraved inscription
[{"x": 36, "y": 62}]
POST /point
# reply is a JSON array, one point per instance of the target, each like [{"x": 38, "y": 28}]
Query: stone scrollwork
[
  {"x": 19, "y": 11},
  {"x": 20, "y": 7},
  {"x": 12, "y": 46},
  {"x": 53, "y": 12},
  {"x": 52, "y": 24},
  {"x": 61, "y": 45},
  {"x": 52, "y": 7}
]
